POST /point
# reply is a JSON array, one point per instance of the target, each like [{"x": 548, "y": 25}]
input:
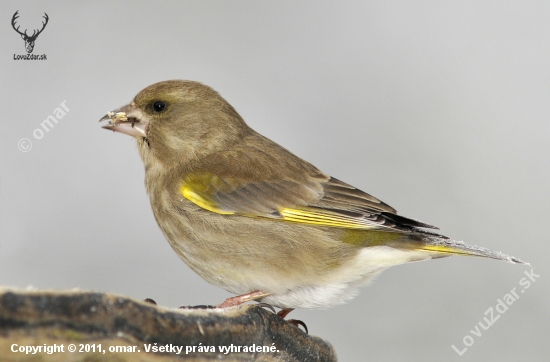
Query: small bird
[{"x": 252, "y": 218}]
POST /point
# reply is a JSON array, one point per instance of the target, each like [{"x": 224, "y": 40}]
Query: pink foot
[
  {"x": 284, "y": 312},
  {"x": 295, "y": 322},
  {"x": 240, "y": 299}
]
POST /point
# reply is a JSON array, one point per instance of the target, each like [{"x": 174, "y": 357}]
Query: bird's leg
[
  {"x": 295, "y": 322},
  {"x": 240, "y": 299},
  {"x": 284, "y": 312}
]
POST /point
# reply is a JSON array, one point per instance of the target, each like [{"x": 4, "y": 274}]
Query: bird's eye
[{"x": 159, "y": 106}]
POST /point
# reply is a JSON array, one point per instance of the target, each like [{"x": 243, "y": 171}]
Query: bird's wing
[
  {"x": 331, "y": 203},
  {"x": 322, "y": 202},
  {"x": 255, "y": 181}
]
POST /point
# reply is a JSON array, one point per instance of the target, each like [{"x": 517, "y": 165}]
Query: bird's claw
[
  {"x": 296, "y": 323},
  {"x": 268, "y": 306}
]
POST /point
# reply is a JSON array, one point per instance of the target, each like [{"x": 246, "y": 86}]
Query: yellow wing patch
[
  {"x": 322, "y": 218},
  {"x": 201, "y": 189},
  {"x": 201, "y": 201}
]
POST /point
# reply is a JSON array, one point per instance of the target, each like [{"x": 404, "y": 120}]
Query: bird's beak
[{"x": 127, "y": 119}]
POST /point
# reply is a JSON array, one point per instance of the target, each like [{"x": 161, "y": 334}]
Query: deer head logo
[{"x": 29, "y": 40}]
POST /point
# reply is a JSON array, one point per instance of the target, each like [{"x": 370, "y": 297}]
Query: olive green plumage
[{"x": 248, "y": 215}]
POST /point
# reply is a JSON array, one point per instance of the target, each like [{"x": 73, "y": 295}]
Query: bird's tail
[
  {"x": 447, "y": 247},
  {"x": 421, "y": 237}
]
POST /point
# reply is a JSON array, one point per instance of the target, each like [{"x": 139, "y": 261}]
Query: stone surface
[{"x": 87, "y": 320}]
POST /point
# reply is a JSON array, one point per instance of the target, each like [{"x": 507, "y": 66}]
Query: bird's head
[{"x": 177, "y": 121}]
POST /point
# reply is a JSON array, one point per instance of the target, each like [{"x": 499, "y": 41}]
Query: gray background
[{"x": 438, "y": 108}]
